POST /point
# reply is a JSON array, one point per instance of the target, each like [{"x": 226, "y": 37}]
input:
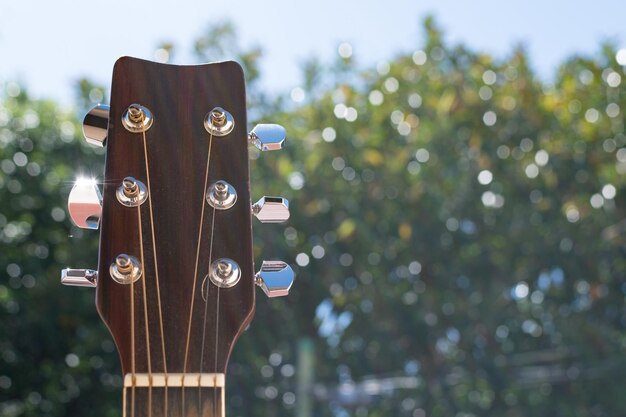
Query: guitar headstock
[{"x": 175, "y": 282}]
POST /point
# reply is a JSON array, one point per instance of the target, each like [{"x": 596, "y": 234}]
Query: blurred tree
[
  {"x": 457, "y": 225},
  {"x": 54, "y": 359},
  {"x": 220, "y": 43}
]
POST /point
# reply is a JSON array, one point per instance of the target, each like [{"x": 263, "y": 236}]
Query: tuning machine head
[
  {"x": 79, "y": 277},
  {"x": 85, "y": 204},
  {"x": 271, "y": 209},
  {"x": 268, "y": 137},
  {"x": 96, "y": 125},
  {"x": 275, "y": 278}
]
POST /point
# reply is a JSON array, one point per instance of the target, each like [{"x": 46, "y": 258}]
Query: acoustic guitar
[{"x": 175, "y": 283}]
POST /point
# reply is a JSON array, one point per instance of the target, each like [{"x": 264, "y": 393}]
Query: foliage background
[{"x": 457, "y": 230}]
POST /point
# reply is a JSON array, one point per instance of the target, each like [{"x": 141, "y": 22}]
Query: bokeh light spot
[
  {"x": 485, "y": 177},
  {"x": 340, "y": 111},
  {"x": 596, "y": 201},
  {"x": 485, "y": 93},
  {"x": 609, "y": 191},
  {"x": 296, "y": 181},
  {"x": 489, "y": 118},
  {"x": 345, "y": 50},
  {"x": 613, "y": 79},
  {"x": 422, "y": 155},
  {"x": 376, "y": 98},
  {"x": 531, "y": 171},
  {"x": 572, "y": 214},
  {"x": 302, "y": 259},
  {"x": 419, "y": 57},
  {"x": 318, "y": 252},
  {"x": 492, "y": 200},
  {"x": 521, "y": 290},
  {"x": 391, "y": 85},
  {"x": 297, "y": 94},
  {"x": 542, "y": 158},
  {"x": 489, "y": 77},
  {"x": 329, "y": 134},
  {"x": 415, "y": 100},
  {"x": 351, "y": 114},
  {"x": 592, "y": 115},
  {"x": 72, "y": 360},
  {"x": 612, "y": 110}
]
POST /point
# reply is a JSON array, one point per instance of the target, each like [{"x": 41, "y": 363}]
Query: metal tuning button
[
  {"x": 275, "y": 278},
  {"x": 85, "y": 204},
  {"x": 96, "y": 124},
  {"x": 271, "y": 209},
  {"x": 79, "y": 277},
  {"x": 268, "y": 137}
]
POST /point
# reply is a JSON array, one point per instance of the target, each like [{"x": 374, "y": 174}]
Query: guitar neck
[{"x": 190, "y": 396}]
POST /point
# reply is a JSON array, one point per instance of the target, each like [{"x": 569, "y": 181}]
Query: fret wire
[
  {"x": 156, "y": 268},
  {"x": 195, "y": 274}
]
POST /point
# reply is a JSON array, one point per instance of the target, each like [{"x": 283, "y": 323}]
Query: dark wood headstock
[
  {"x": 179, "y": 98},
  {"x": 175, "y": 279}
]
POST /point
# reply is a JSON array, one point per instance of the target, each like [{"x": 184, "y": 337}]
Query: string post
[
  {"x": 137, "y": 118},
  {"x": 131, "y": 192},
  {"x": 130, "y": 187},
  {"x": 218, "y": 117},
  {"x": 225, "y": 273},
  {"x": 124, "y": 264},
  {"x": 219, "y": 122},
  {"x": 224, "y": 269},
  {"x": 135, "y": 113},
  {"x": 221, "y": 195},
  {"x": 125, "y": 269}
]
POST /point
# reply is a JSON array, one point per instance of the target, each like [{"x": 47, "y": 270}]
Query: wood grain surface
[{"x": 179, "y": 98}]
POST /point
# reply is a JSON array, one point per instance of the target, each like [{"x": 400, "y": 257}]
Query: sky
[{"x": 47, "y": 45}]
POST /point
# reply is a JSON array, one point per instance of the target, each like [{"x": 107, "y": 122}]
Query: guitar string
[
  {"x": 217, "y": 326},
  {"x": 145, "y": 312},
  {"x": 132, "y": 348},
  {"x": 156, "y": 274},
  {"x": 206, "y": 309},
  {"x": 195, "y": 274}
]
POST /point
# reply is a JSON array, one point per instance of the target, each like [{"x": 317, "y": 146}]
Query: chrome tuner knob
[
  {"x": 268, "y": 137},
  {"x": 79, "y": 277},
  {"x": 96, "y": 124},
  {"x": 275, "y": 278},
  {"x": 271, "y": 209},
  {"x": 85, "y": 204}
]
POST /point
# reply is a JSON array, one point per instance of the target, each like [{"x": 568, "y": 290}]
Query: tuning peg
[
  {"x": 79, "y": 277},
  {"x": 275, "y": 278},
  {"x": 271, "y": 209},
  {"x": 268, "y": 137},
  {"x": 96, "y": 124},
  {"x": 85, "y": 204}
]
